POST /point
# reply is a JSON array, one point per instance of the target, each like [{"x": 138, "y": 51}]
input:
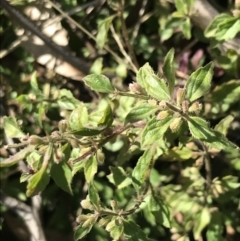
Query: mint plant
[{"x": 154, "y": 120}]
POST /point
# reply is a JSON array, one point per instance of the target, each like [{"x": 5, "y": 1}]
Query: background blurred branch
[{"x": 24, "y": 212}]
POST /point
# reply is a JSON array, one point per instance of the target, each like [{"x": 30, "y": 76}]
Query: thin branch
[
  {"x": 119, "y": 43},
  {"x": 117, "y": 58},
  {"x": 144, "y": 97},
  {"x": 25, "y": 212},
  {"x": 21, "y": 39},
  {"x": 13, "y": 46},
  {"x": 125, "y": 35},
  {"x": 140, "y": 14}
]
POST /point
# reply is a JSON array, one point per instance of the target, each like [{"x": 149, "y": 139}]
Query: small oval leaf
[
  {"x": 140, "y": 112},
  {"x": 168, "y": 70},
  {"x": 78, "y": 118},
  {"x": 11, "y": 127},
  {"x": 12, "y": 160},
  {"x": 103, "y": 28},
  {"x": 153, "y": 85},
  {"x": 37, "y": 182},
  {"x": 199, "y": 82},
  {"x": 99, "y": 83},
  {"x": 90, "y": 168}
]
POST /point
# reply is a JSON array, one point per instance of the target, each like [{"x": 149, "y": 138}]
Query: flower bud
[
  {"x": 104, "y": 221},
  {"x": 175, "y": 124},
  {"x": 58, "y": 156},
  {"x": 180, "y": 96},
  {"x": 55, "y": 134},
  {"x": 135, "y": 88},
  {"x": 86, "y": 204},
  {"x": 81, "y": 218},
  {"x": 113, "y": 205},
  {"x": 195, "y": 107},
  {"x": 152, "y": 102},
  {"x": 62, "y": 125},
  {"x": 163, "y": 114},
  {"x": 185, "y": 105},
  {"x": 90, "y": 221},
  {"x": 163, "y": 104},
  {"x": 100, "y": 156},
  {"x": 56, "y": 94},
  {"x": 35, "y": 140}
]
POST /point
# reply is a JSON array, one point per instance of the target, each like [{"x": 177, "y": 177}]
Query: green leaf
[
  {"x": 199, "y": 82},
  {"x": 200, "y": 130},
  {"x": 37, "y": 182},
  {"x": 24, "y": 177},
  {"x": 99, "y": 83},
  {"x": 201, "y": 221},
  {"x": 228, "y": 29},
  {"x": 97, "y": 66},
  {"x": 181, "y": 6},
  {"x": 212, "y": 28},
  {"x": 190, "y": 3},
  {"x": 42, "y": 109},
  {"x": 24, "y": 100},
  {"x": 62, "y": 173},
  {"x": 160, "y": 210},
  {"x": 153, "y": 85},
  {"x": 140, "y": 112},
  {"x": 12, "y": 160},
  {"x": 67, "y": 101},
  {"x": 215, "y": 227},
  {"x": 107, "y": 118},
  {"x": 34, "y": 83},
  {"x": 80, "y": 232},
  {"x": 119, "y": 177},
  {"x": 133, "y": 232},
  {"x": 224, "y": 124},
  {"x": 142, "y": 169},
  {"x": 168, "y": 71},
  {"x": 230, "y": 182},
  {"x": 179, "y": 154},
  {"x": 116, "y": 232},
  {"x": 228, "y": 92},
  {"x": 11, "y": 127},
  {"x": 186, "y": 28},
  {"x": 89, "y": 131},
  {"x": 90, "y": 168},
  {"x": 34, "y": 160},
  {"x": 223, "y": 27},
  {"x": 155, "y": 130},
  {"x": 103, "y": 28},
  {"x": 121, "y": 70},
  {"x": 62, "y": 176},
  {"x": 93, "y": 195},
  {"x": 77, "y": 167},
  {"x": 78, "y": 118}
]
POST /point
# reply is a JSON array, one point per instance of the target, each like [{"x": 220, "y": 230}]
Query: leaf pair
[
  {"x": 163, "y": 88},
  {"x": 78, "y": 121}
]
